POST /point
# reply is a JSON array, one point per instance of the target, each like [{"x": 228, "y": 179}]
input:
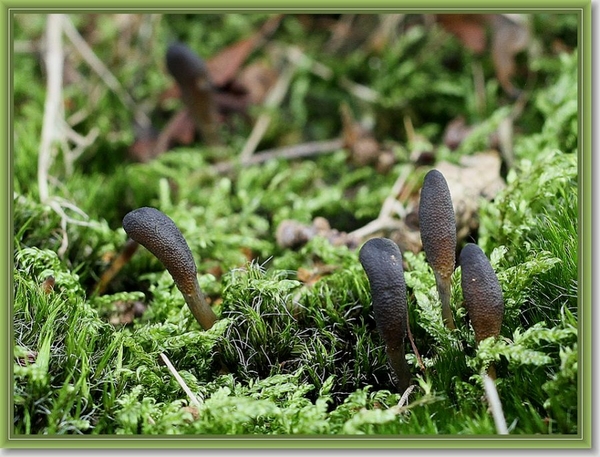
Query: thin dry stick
[
  {"x": 109, "y": 79},
  {"x": 81, "y": 144},
  {"x": 193, "y": 399},
  {"x": 289, "y": 153},
  {"x": 377, "y": 225},
  {"x": 413, "y": 345},
  {"x": 384, "y": 220},
  {"x": 388, "y": 24},
  {"x": 391, "y": 202},
  {"x": 495, "y": 404},
  {"x": 273, "y": 99},
  {"x": 116, "y": 265},
  {"x": 52, "y": 104},
  {"x": 404, "y": 399},
  {"x": 53, "y": 122}
]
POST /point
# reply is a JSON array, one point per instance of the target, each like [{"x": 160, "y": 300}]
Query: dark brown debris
[{"x": 292, "y": 234}]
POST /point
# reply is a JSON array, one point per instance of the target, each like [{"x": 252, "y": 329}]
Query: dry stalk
[
  {"x": 53, "y": 109},
  {"x": 104, "y": 73},
  {"x": 193, "y": 399},
  {"x": 274, "y": 98},
  {"x": 495, "y": 405}
]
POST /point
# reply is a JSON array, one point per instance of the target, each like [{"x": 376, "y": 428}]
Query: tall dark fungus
[
  {"x": 437, "y": 225},
  {"x": 482, "y": 292},
  {"x": 197, "y": 92},
  {"x": 482, "y": 295},
  {"x": 158, "y": 233},
  {"x": 382, "y": 261}
]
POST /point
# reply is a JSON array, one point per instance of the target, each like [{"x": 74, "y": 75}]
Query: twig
[
  {"x": 391, "y": 201},
  {"x": 340, "y": 33},
  {"x": 109, "y": 79},
  {"x": 273, "y": 99},
  {"x": 377, "y": 225},
  {"x": 385, "y": 219},
  {"x": 116, "y": 265},
  {"x": 53, "y": 103},
  {"x": 81, "y": 144},
  {"x": 404, "y": 399},
  {"x": 495, "y": 404},
  {"x": 413, "y": 345},
  {"x": 193, "y": 399},
  {"x": 290, "y": 152},
  {"x": 388, "y": 23}
]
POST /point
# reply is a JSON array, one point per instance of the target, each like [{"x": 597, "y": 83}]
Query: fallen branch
[
  {"x": 51, "y": 129},
  {"x": 289, "y": 153},
  {"x": 495, "y": 405},
  {"x": 104, "y": 73},
  {"x": 273, "y": 99}
]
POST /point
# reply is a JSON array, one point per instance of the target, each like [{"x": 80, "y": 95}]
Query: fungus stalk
[
  {"x": 437, "y": 224},
  {"x": 382, "y": 261},
  {"x": 158, "y": 233}
]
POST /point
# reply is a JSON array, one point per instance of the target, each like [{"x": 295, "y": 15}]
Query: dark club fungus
[
  {"x": 382, "y": 262},
  {"x": 437, "y": 225},
  {"x": 159, "y": 234},
  {"x": 482, "y": 292},
  {"x": 193, "y": 78}
]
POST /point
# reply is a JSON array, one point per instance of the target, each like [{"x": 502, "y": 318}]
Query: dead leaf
[
  {"x": 48, "y": 284},
  {"x": 456, "y": 132},
  {"x": 126, "y": 311},
  {"x": 468, "y": 28},
  {"x": 510, "y": 35},
  {"x": 117, "y": 263},
  {"x": 224, "y": 66},
  {"x": 363, "y": 147},
  {"x": 257, "y": 78}
]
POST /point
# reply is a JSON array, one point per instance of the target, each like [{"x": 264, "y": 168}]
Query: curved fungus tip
[
  {"x": 482, "y": 292},
  {"x": 184, "y": 64},
  {"x": 158, "y": 233},
  {"x": 437, "y": 224},
  {"x": 193, "y": 77},
  {"x": 382, "y": 261}
]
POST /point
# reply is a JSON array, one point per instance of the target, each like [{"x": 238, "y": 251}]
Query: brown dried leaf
[
  {"x": 468, "y": 28},
  {"x": 510, "y": 36},
  {"x": 126, "y": 312},
  {"x": 311, "y": 276},
  {"x": 456, "y": 132},
  {"x": 364, "y": 148},
  {"x": 48, "y": 284},
  {"x": 224, "y": 66},
  {"x": 257, "y": 78}
]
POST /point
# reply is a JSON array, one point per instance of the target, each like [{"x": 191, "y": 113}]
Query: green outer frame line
[{"x": 583, "y": 440}]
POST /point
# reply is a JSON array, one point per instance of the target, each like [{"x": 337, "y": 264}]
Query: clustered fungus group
[{"x": 382, "y": 261}]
